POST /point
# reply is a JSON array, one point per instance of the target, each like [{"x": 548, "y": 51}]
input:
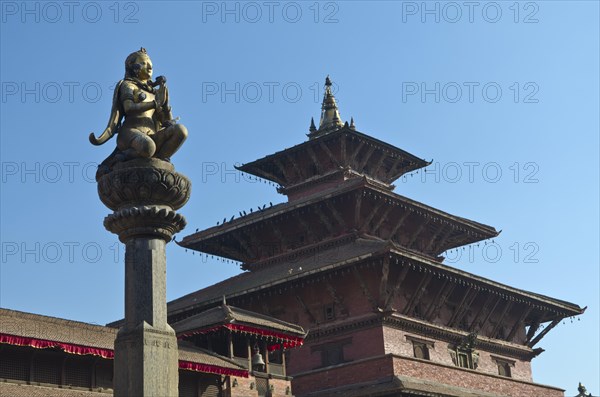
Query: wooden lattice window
[
  {"x": 14, "y": 365},
  {"x": 104, "y": 374},
  {"x": 78, "y": 373},
  {"x": 188, "y": 384},
  {"x": 47, "y": 368},
  {"x": 262, "y": 386}
]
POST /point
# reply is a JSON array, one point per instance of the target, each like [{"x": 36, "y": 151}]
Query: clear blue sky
[{"x": 503, "y": 96}]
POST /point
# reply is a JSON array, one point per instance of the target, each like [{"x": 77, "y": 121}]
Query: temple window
[
  {"x": 464, "y": 358},
  {"x": 421, "y": 350},
  {"x": 504, "y": 366},
  {"x": 332, "y": 353},
  {"x": 329, "y": 312},
  {"x": 421, "y": 347},
  {"x": 464, "y": 354}
]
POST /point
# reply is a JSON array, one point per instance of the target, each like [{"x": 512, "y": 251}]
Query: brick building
[
  {"x": 357, "y": 266},
  {"x": 219, "y": 352},
  {"x": 360, "y": 268}
]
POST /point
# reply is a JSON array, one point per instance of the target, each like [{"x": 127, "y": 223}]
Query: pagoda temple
[{"x": 360, "y": 267}]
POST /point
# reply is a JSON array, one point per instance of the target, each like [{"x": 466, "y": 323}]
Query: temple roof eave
[
  {"x": 373, "y": 250},
  {"x": 262, "y": 166},
  {"x": 198, "y": 240},
  {"x": 224, "y": 315}
]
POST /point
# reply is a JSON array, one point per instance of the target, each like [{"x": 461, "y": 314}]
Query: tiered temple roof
[{"x": 342, "y": 214}]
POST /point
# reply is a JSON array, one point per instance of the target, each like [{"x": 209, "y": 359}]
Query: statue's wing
[{"x": 113, "y": 122}]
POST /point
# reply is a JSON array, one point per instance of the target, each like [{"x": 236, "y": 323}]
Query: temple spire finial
[{"x": 330, "y": 115}]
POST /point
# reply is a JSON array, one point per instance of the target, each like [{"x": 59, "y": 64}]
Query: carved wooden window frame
[
  {"x": 424, "y": 344},
  {"x": 504, "y": 364}
]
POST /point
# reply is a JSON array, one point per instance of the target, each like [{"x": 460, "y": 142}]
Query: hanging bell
[{"x": 258, "y": 363}]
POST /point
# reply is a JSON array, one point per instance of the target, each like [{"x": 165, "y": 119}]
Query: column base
[{"x": 146, "y": 362}]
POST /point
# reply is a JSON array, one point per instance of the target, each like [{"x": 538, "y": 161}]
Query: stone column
[{"x": 144, "y": 194}]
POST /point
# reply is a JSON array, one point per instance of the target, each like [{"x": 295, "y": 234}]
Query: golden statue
[{"x": 140, "y": 116}]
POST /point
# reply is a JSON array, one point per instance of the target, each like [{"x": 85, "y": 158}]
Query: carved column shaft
[{"x": 144, "y": 195}]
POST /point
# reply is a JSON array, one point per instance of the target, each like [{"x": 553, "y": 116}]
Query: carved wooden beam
[
  {"x": 443, "y": 240},
  {"x": 396, "y": 287},
  {"x": 372, "y": 213},
  {"x": 284, "y": 240},
  {"x": 394, "y": 167},
  {"x": 339, "y": 301},
  {"x": 465, "y": 308},
  {"x": 360, "y": 166},
  {"x": 244, "y": 244},
  {"x": 438, "y": 294},
  {"x": 325, "y": 220},
  {"x": 442, "y": 301},
  {"x": 306, "y": 310},
  {"x": 433, "y": 238},
  {"x": 336, "y": 214},
  {"x": 383, "y": 284},
  {"x": 377, "y": 166},
  {"x": 460, "y": 306},
  {"x": 489, "y": 314},
  {"x": 381, "y": 219},
  {"x": 357, "y": 207},
  {"x": 417, "y": 294},
  {"x": 501, "y": 319},
  {"x": 417, "y": 233},
  {"x": 297, "y": 169},
  {"x": 314, "y": 158},
  {"x": 355, "y": 152},
  {"x": 364, "y": 288},
  {"x": 483, "y": 311},
  {"x": 399, "y": 224},
  {"x": 532, "y": 330},
  {"x": 518, "y": 323},
  {"x": 302, "y": 222},
  {"x": 283, "y": 170},
  {"x": 539, "y": 337},
  {"x": 328, "y": 153}
]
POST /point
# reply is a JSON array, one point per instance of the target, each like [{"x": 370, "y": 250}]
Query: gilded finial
[{"x": 330, "y": 115}]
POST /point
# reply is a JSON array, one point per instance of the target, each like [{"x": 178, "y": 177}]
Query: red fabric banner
[
  {"x": 110, "y": 354},
  {"x": 66, "y": 347},
  {"x": 212, "y": 369},
  {"x": 289, "y": 341}
]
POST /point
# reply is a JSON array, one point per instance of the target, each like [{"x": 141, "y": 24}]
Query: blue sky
[{"x": 502, "y": 96}]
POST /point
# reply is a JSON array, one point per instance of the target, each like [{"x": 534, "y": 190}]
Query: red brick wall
[
  {"x": 395, "y": 342},
  {"x": 246, "y": 387},
  {"x": 471, "y": 379},
  {"x": 386, "y": 366},
  {"x": 365, "y": 343},
  {"x": 358, "y": 372}
]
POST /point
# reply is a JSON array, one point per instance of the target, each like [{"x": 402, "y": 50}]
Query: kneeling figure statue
[{"x": 140, "y": 117}]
